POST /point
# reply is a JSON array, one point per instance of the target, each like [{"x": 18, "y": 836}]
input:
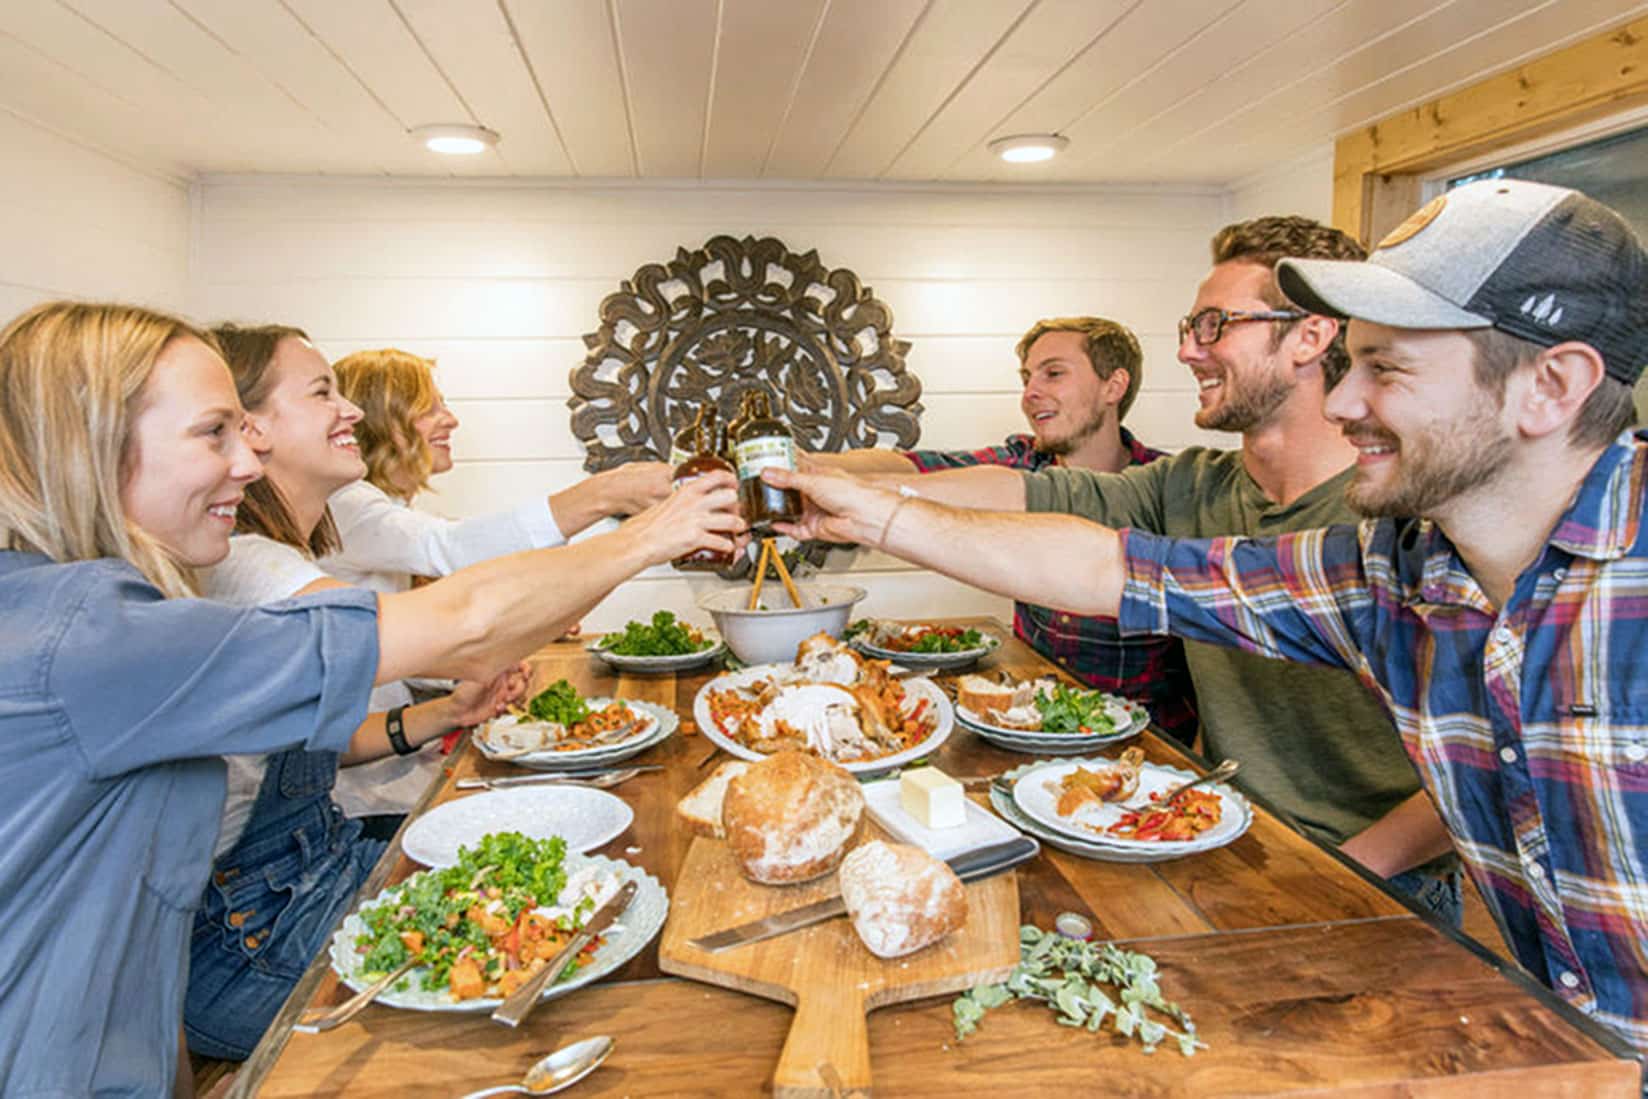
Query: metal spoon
[{"x": 561, "y": 1069}]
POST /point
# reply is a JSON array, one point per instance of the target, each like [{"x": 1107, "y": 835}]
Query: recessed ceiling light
[
  {"x": 455, "y": 139},
  {"x": 1028, "y": 148}
]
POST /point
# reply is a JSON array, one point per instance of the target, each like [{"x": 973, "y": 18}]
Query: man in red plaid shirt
[{"x": 1080, "y": 375}]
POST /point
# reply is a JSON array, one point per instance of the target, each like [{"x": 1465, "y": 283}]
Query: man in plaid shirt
[
  {"x": 1495, "y": 338},
  {"x": 1080, "y": 375}
]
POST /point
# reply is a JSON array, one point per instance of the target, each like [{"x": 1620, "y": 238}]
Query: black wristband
[{"x": 396, "y": 728}]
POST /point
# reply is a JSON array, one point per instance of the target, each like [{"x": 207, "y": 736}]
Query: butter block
[{"x": 932, "y": 797}]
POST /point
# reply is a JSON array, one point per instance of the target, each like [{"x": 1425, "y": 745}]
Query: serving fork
[{"x": 351, "y": 1007}]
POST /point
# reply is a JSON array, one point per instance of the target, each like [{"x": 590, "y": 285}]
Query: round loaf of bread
[
  {"x": 790, "y": 817},
  {"x": 900, "y": 898}
]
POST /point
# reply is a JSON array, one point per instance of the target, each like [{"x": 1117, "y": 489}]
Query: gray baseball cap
[{"x": 1543, "y": 263}]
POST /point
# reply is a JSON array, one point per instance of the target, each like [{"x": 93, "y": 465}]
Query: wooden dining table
[{"x": 1303, "y": 974}]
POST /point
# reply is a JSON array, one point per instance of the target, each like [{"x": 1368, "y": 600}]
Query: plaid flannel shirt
[
  {"x": 1529, "y": 725},
  {"x": 1150, "y": 670}
]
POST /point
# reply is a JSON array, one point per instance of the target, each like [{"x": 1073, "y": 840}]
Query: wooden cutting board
[{"x": 829, "y": 976}]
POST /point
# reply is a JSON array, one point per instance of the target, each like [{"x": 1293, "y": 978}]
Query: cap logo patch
[
  {"x": 1542, "y": 311},
  {"x": 1416, "y": 221}
]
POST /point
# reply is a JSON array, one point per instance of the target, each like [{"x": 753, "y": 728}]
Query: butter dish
[{"x": 981, "y": 828}]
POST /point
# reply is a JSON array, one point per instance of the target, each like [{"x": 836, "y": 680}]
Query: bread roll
[
  {"x": 790, "y": 817},
  {"x": 700, "y": 810},
  {"x": 900, "y": 898}
]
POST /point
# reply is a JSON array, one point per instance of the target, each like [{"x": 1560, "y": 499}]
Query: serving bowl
[{"x": 771, "y": 636}]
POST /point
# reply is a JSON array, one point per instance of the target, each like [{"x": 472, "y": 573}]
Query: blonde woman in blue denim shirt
[{"x": 121, "y": 469}]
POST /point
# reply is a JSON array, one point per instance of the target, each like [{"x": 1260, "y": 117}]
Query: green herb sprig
[{"x": 1066, "y": 974}]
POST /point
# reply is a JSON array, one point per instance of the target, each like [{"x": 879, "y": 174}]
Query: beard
[
  {"x": 1247, "y": 401},
  {"x": 1432, "y": 467},
  {"x": 1072, "y": 442}
]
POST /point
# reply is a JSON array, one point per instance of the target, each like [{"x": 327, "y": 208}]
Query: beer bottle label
[
  {"x": 754, "y": 455},
  {"x": 677, "y": 456}
]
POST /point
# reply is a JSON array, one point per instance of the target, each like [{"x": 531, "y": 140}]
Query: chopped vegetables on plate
[
  {"x": 664, "y": 636},
  {"x": 487, "y": 923}
]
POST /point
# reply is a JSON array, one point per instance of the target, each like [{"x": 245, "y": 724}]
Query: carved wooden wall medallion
[{"x": 736, "y": 315}]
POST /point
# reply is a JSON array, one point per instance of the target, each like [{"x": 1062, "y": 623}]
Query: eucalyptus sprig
[{"x": 1066, "y": 974}]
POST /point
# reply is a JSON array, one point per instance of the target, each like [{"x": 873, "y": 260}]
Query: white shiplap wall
[
  {"x": 499, "y": 281},
  {"x": 75, "y": 223},
  {"x": 1301, "y": 186}
]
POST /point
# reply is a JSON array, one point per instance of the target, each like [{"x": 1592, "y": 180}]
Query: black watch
[{"x": 397, "y": 731}]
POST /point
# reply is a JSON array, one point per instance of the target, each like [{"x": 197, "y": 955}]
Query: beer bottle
[
  {"x": 734, "y": 426},
  {"x": 685, "y": 443},
  {"x": 764, "y": 441},
  {"x": 701, "y": 460}
]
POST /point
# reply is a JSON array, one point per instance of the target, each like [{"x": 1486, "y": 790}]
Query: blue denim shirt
[{"x": 114, "y": 706}]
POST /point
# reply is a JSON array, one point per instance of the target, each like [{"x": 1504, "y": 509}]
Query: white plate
[
  {"x": 584, "y": 817},
  {"x": 1004, "y": 806},
  {"x": 663, "y": 723},
  {"x": 914, "y": 691},
  {"x": 933, "y": 661},
  {"x": 624, "y": 939},
  {"x": 677, "y": 662},
  {"x": 1035, "y": 794}
]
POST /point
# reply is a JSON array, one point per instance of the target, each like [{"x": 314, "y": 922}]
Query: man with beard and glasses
[
  {"x": 1495, "y": 338},
  {"x": 1080, "y": 375},
  {"x": 1313, "y": 742}
]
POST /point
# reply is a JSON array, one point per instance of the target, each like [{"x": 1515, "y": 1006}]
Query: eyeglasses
[{"x": 1208, "y": 326}]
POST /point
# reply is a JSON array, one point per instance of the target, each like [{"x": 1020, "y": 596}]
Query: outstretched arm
[
  {"x": 1054, "y": 560},
  {"x": 470, "y": 625}
]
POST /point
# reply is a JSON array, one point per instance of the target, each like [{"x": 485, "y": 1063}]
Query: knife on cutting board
[{"x": 969, "y": 866}]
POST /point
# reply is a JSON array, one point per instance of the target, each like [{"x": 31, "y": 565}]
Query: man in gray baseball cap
[{"x": 1498, "y": 602}]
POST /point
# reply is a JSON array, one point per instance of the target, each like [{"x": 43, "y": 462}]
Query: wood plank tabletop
[{"x": 1303, "y": 975}]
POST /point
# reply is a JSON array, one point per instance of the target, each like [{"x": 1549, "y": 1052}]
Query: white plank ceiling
[{"x": 1185, "y": 91}]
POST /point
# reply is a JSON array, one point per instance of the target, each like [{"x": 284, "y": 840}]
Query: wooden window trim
[{"x": 1379, "y": 171}]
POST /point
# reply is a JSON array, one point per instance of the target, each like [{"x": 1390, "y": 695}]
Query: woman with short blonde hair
[{"x": 122, "y": 466}]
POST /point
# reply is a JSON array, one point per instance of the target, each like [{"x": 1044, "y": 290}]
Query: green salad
[
  {"x": 559, "y": 702},
  {"x": 446, "y": 914},
  {"x": 664, "y": 636},
  {"x": 1069, "y": 710}
]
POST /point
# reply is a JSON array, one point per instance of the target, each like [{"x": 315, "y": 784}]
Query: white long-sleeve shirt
[{"x": 386, "y": 543}]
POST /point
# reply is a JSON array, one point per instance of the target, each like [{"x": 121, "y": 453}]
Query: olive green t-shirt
[{"x": 1312, "y": 740}]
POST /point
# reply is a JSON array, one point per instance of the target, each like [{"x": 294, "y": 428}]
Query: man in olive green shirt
[{"x": 1263, "y": 369}]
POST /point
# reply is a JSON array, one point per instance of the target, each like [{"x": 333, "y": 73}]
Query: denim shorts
[
  {"x": 1442, "y": 895},
  {"x": 270, "y": 908}
]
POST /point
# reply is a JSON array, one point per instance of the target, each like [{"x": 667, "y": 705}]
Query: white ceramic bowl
[{"x": 771, "y": 636}]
